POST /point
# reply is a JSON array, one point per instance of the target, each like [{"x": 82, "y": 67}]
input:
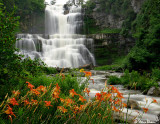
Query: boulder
[
  {"x": 153, "y": 91},
  {"x": 133, "y": 104},
  {"x": 87, "y": 66},
  {"x": 120, "y": 117},
  {"x": 62, "y": 69},
  {"x": 66, "y": 12}
]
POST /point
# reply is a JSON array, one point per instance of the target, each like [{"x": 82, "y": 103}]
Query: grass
[
  {"x": 94, "y": 29},
  {"x": 60, "y": 99},
  {"x": 117, "y": 65},
  {"x": 135, "y": 80}
]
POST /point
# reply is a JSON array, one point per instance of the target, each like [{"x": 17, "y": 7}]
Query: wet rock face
[
  {"x": 103, "y": 20},
  {"x": 153, "y": 91},
  {"x": 133, "y": 104},
  {"x": 87, "y": 66},
  {"x": 108, "y": 20},
  {"x": 136, "y": 4}
]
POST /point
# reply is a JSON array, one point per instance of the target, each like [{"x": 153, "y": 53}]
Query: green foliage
[
  {"x": 114, "y": 80},
  {"x": 156, "y": 74},
  {"x": 8, "y": 60},
  {"x": 96, "y": 111},
  {"x": 91, "y": 28},
  {"x": 138, "y": 58},
  {"x": 13, "y": 69},
  {"x": 135, "y": 80},
  {"x": 146, "y": 29},
  {"x": 26, "y": 9},
  {"x": 117, "y": 8},
  {"x": 108, "y": 54}
]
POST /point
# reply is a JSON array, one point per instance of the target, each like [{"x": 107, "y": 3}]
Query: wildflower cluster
[{"x": 51, "y": 104}]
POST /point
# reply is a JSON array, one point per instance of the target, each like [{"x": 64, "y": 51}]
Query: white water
[
  {"x": 144, "y": 101},
  {"x": 62, "y": 45}
]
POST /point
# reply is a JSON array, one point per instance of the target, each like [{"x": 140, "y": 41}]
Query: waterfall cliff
[{"x": 62, "y": 45}]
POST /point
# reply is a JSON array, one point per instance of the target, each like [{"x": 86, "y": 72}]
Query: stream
[{"x": 133, "y": 95}]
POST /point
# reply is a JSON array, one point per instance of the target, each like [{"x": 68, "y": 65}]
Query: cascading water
[{"x": 62, "y": 45}]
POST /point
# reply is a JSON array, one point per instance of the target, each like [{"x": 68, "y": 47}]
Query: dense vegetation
[
  {"x": 144, "y": 27},
  {"x": 48, "y": 99},
  {"x": 117, "y": 8},
  {"x": 14, "y": 69},
  {"x": 27, "y": 10},
  {"x": 137, "y": 81},
  {"x": 28, "y": 94},
  {"x": 146, "y": 30}
]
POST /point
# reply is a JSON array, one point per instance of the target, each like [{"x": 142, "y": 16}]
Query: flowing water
[
  {"x": 62, "y": 45},
  {"x": 134, "y": 95}
]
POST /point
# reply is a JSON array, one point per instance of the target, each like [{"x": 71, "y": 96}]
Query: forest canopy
[{"x": 25, "y": 9}]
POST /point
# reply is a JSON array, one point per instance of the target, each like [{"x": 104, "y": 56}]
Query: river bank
[{"x": 136, "y": 99}]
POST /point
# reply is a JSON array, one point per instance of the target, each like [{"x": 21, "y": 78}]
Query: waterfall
[{"x": 62, "y": 45}]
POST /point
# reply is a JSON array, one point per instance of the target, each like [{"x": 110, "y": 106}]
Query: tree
[{"x": 8, "y": 59}]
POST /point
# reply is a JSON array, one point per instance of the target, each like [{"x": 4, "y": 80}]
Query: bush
[
  {"x": 156, "y": 74},
  {"x": 114, "y": 80},
  {"x": 138, "y": 58},
  {"x": 136, "y": 81},
  {"x": 58, "y": 102}
]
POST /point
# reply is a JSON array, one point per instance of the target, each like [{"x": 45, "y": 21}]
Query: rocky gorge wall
[
  {"x": 113, "y": 19},
  {"x": 117, "y": 14},
  {"x": 33, "y": 24},
  {"x": 103, "y": 40}
]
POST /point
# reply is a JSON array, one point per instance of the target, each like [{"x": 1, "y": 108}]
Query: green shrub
[
  {"x": 156, "y": 74},
  {"x": 136, "y": 81},
  {"x": 138, "y": 58},
  {"x": 114, "y": 80}
]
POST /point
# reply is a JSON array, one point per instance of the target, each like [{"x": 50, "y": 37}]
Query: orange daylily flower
[
  {"x": 119, "y": 95},
  {"x": 114, "y": 89},
  {"x": 62, "y": 109},
  {"x": 72, "y": 93},
  {"x": 13, "y": 101},
  {"x": 48, "y": 103},
  {"x": 41, "y": 88},
  {"x": 81, "y": 98},
  {"x": 81, "y": 107},
  {"x": 9, "y": 111},
  {"x": 62, "y": 100},
  {"x": 107, "y": 96},
  {"x": 16, "y": 93},
  {"x": 110, "y": 100},
  {"x": 68, "y": 102},
  {"x": 117, "y": 101},
  {"x": 57, "y": 88},
  {"x": 30, "y": 86},
  {"x": 56, "y": 92},
  {"x": 154, "y": 100},
  {"x": 35, "y": 92},
  {"x": 99, "y": 96},
  {"x": 124, "y": 105},
  {"x": 63, "y": 76},
  {"x": 26, "y": 102},
  {"x": 115, "y": 109},
  {"x": 145, "y": 110},
  {"x": 76, "y": 109},
  {"x": 87, "y": 90},
  {"x": 35, "y": 102},
  {"x": 55, "y": 95},
  {"x": 87, "y": 73}
]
